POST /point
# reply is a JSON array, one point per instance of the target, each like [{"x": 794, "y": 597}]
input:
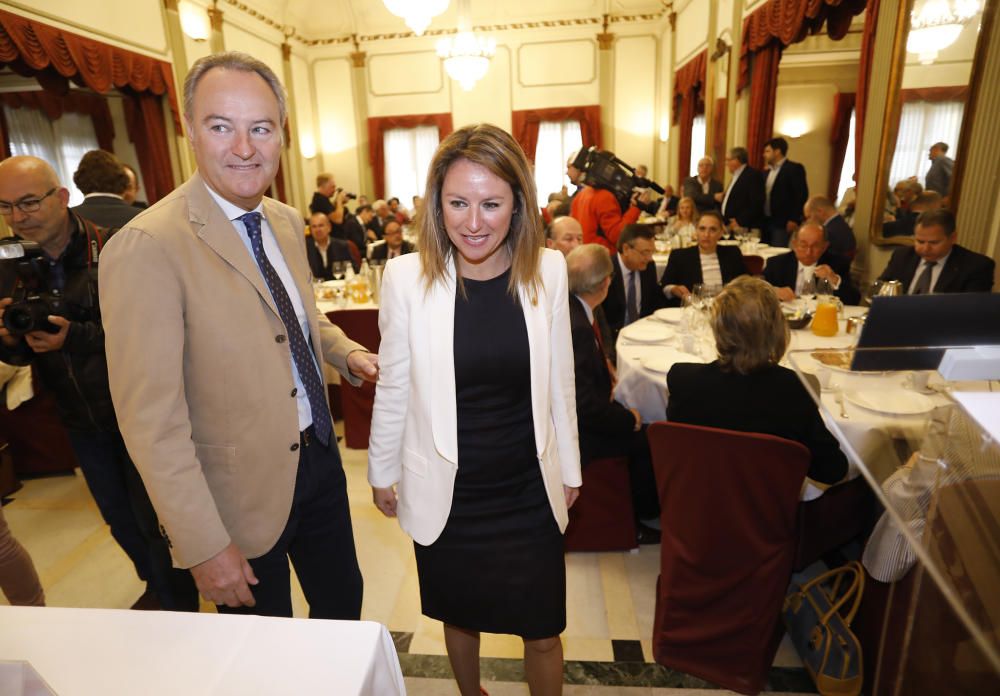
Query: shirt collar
[
  {"x": 231, "y": 210},
  {"x": 940, "y": 262},
  {"x": 101, "y": 193},
  {"x": 586, "y": 308}
]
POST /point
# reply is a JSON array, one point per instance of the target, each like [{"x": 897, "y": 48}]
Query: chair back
[
  {"x": 728, "y": 505},
  {"x": 355, "y": 253},
  {"x": 602, "y": 519},
  {"x": 754, "y": 264},
  {"x": 360, "y": 325}
]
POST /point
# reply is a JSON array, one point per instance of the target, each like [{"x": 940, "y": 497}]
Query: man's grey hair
[
  {"x": 588, "y": 265},
  {"x": 234, "y": 60},
  {"x": 740, "y": 154},
  {"x": 706, "y": 158}
]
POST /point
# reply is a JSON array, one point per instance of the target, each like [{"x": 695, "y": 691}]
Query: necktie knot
[{"x": 252, "y": 222}]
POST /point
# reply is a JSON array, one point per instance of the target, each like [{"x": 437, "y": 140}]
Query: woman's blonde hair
[
  {"x": 490, "y": 147},
  {"x": 694, "y": 208},
  {"x": 750, "y": 329}
]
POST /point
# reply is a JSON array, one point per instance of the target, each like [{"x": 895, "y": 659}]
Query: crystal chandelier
[
  {"x": 466, "y": 56},
  {"x": 416, "y": 13},
  {"x": 937, "y": 25}
]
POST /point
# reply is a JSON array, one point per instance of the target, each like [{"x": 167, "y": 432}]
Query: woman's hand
[
  {"x": 571, "y": 495},
  {"x": 385, "y": 500}
]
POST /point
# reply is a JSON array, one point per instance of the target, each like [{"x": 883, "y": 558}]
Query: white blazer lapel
[
  {"x": 439, "y": 310},
  {"x": 537, "y": 322}
]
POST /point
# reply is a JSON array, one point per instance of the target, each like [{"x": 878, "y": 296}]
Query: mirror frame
[{"x": 894, "y": 105}]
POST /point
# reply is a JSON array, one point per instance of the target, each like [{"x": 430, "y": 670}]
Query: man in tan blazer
[{"x": 214, "y": 347}]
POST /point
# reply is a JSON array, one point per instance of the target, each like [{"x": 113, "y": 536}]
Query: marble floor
[{"x": 610, "y": 597}]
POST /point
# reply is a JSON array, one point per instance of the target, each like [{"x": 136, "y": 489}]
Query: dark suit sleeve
[
  {"x": 752, "y": 214},
  {"x": 674, "y": 274},
  {"x": 596, "y": 413},
  {"x": 773, "y": 272},
  {"x": 980, "y": 278},
  {"x": 894, "y": 269},
  {"x": 800, "y": 192},
  {"x": 828, "y": 465},
  {"x": 841, "y": 265}
]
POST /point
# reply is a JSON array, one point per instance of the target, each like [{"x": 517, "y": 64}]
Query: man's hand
[
  {"x": 5, "y": 335},
  {"x": 785, "y": 294},
  {"x": 363, "y": 364},
  {"x": 571, "y": 495},
  {"x": 225, "y": 578},
  {"x": 385, "y": 500},
  {"x": 43, "y": 341},
  {"x": 718, "y": 197},
  {"x": 791, "y": 226},
  {"x": 826, "y": 273},
  {"x": 638, "y": 420},
  {"x": 680, "y": 291}
]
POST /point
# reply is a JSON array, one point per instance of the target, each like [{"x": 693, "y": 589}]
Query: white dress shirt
[{"x": 277, "y": 260}]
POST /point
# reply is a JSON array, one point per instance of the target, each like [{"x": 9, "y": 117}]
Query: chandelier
[
  {"x": 416, "y": 13},
  {"x": 466, "y": 56},
  {"x": 937, "y": 25}
]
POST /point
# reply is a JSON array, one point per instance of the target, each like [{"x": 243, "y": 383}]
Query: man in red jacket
[{"x": 601, "y": 217}]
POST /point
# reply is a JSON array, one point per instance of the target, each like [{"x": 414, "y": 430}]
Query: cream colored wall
[
  {"x": 952, "y": 66},
  {"x": 635, "y": 99},
  {"x": 812, "y": 105},
  {"x": 692, "y": 30},
  {"x": 133, "y": 24},
  {"x": 334, "y": 119}
]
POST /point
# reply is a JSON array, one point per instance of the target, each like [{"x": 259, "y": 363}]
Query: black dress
[{"x": 498, "y": 565}]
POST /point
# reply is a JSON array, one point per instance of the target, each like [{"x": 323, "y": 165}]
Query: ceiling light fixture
[
  {"x": 937, "y": 25},
  {"x": 194, "y": 21},
  {"x": 466, "y": 56},
  {"x": 416, "y": 13}
]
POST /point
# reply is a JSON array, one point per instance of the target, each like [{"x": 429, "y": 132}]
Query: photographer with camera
[
  {"x": 330, "y": 200},
  {"x": 51, "y": 318},
  {"x": 607, "y": 201}
]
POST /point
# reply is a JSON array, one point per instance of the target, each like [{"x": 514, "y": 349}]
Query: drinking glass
[{"x": 338, "y": 268}]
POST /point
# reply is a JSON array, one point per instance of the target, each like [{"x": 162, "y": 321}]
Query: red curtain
[
  {"x": 524, "y": 125},
  {"x": 54, "y": 107},
  {"x": 689, "y": 101},
  {"x": 378, "y": 126},
  {"x": 840, "y": 133},
  {"x": 864, "y": 73},
  {"x": 146, "y": 128},
  {"x": 779, "y": 23},
  {"x": 719, "y": 135}
]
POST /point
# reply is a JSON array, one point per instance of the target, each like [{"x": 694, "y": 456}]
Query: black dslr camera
[
  {"x": 33, "y": 301},
  {"x": 603, "y": 170},
  {"x": 348, "y": 196}
]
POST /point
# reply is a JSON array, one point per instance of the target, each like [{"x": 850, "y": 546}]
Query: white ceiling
[{"x": 325, "y": 19}]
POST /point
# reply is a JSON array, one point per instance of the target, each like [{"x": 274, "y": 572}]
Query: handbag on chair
[{"x": 822, "y": 635}]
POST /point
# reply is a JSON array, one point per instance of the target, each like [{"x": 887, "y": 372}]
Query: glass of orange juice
[{"x": 824, "y": 322}]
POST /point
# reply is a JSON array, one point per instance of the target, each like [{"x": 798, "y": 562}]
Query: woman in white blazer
[{"x": 474, "y": 426}]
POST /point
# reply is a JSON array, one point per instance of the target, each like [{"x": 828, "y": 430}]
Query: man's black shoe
[{"x": 646, "y": 535}]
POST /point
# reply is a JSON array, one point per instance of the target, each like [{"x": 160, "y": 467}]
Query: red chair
[
  {"x": 728, "y": 505},
  {"x": 754, "y": 264},
  {"x": 843, "y": 512},
  {"x": 38, "y": 440},
  {"x": 360, "y": 325},
  {"x": 602, "y": 518},
  {"x": 355, "y": 253}
]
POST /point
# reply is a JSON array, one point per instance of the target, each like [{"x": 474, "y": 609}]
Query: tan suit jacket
[
  {"x": 201, "y": 372},
  {"x": 414, "y": 439}
]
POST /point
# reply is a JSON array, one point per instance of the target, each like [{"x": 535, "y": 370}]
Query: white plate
[
  {"x": 671, "y": 315},
  {"x": 663, "y": 360},
  {"x": 647, "y": 332},
  {"x": 897, "y": 402}
]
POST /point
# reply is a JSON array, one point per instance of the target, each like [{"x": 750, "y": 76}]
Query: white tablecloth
[
  {"x": 79, "y": 652},
  {"x": 871, "y": 434}
]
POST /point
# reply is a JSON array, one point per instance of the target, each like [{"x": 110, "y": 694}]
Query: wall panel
[
  {"x": 635, "y": 99},
  {"x": 489, "y": 100},
  {"x": 338, "y": 141}
]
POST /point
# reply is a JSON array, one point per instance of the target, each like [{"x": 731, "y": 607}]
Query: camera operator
[
  {"x": 601, "y": 217},
  {"x": 56, "y": 276},
  {"x": 329, "y": 200}
]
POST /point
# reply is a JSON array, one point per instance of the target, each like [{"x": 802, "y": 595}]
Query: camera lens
[{"x": 18, "y": 320}]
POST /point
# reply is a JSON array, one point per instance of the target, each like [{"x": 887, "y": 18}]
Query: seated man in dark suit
[
  {"x": 790, "y": 274},
  {"x": 742, "y": 204},
  {"x": 702, "y": 188},
  {"x": 822, "y": 211},
  {"x": 606, "y": 428},
  {"x": 935, "y": 263},
  {"x": 322, "y": 249},
  {"x": 394, "y": 245},
  {"x": 634, "y": 292},
  {"x": 708, "y": 263},
  {"x": 102, "y": 178}
]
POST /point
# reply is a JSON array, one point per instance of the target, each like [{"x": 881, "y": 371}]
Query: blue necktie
[
  {"x": 301, "y": 352},
  {"x": 631, "y": 305}
]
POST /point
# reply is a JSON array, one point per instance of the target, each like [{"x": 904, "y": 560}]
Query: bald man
[
  {"x": 793, "y": 274},
  {"x": 565, "y": 234},
  {"x": 67, "y": 351}
]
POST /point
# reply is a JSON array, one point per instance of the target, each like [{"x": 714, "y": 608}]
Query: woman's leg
[
  {"x": 543, "y": 665},
  {"x": 18, "y": 579},
  {"x": 463, "y": 653}
]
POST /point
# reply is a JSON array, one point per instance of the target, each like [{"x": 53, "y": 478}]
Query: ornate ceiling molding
[{"x": 513, "y": 26}]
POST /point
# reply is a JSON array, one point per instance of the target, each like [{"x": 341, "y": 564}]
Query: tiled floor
[{"x": 610, "y": 596}]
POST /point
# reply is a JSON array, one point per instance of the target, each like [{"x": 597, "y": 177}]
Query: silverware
[{"x": 839, "y": 397}]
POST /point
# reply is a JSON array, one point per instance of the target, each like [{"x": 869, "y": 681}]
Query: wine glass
[{"x": 338, "y": 268}]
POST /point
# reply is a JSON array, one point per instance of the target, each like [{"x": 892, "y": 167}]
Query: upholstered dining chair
[
  {"x": 602, "y": 519},
  {"x": 728, "y": 504},
  {"x": 360, "y": 325},
  {"x": 754, "y": 264}
]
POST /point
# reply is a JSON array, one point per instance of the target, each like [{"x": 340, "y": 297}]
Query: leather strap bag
[{"x": 822, "y": 634}]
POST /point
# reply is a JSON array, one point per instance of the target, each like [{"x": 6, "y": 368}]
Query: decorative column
[
  {"x": 181, "y": 157},
  {"x": 732, "y": 93},
  {"x": 291, "y": 154},
  {"x": 672, "y": 130},
  {"x": 359, "y": 89},
  {"x": 216, "y": 40},
  {"x": 606, "y": 84},
  {"x": 709, "y": 87}
]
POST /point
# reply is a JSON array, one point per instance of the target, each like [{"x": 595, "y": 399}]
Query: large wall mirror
[{"x": 924, "y": 134}]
